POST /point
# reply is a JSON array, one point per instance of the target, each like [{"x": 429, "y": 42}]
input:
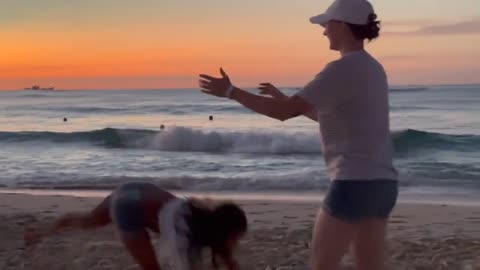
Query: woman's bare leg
[
  {"x": 331, "y": 240},
  {"x": 98, "y": 217},
  {"x": 140, "y": 247},
  {"x": 369, "y": 244}
]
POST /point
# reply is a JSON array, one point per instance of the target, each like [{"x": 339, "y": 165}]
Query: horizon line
[{"x": 246, "y": 87}]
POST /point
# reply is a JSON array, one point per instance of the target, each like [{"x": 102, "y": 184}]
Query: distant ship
[{"x": 37, "y": 87}]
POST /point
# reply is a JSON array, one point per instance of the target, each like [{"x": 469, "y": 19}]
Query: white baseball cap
[{"x": 350, "y": 11}]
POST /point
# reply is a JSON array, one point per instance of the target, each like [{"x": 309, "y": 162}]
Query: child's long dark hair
[{"x": 212, "y": 227}]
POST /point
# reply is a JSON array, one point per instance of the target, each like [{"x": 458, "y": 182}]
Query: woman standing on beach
[{"x": 349, "y": 99}]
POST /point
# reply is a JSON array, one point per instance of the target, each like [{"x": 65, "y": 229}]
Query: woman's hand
[
  {"x": 270, "y": 90},
  {"x": 215, "y": 86}
]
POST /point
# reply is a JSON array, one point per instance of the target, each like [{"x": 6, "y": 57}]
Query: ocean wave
[
  {"x": 411, "y": 139},
  {"x": 308, "y": 181},
  {"x": 174, "y": 109},
  {"x": 408, "y": 108},
  {"x": 183, "y": 139},
  {"x": 409, "y": 88},
  {"x": 37, "y": 95}
]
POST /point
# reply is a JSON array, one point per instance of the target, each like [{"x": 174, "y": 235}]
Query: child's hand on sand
[
  {"x": 32, "y": 237},
  {"x": 270, "y": 90}
]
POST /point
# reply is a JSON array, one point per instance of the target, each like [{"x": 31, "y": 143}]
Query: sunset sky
[{"x": 111, "y": 44}]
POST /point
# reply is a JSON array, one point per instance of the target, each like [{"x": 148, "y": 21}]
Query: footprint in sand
[
  {"x": 266, "y": 212},
  {"x": 474, "y": 220},
  {"x": 262, "y": 221},
  {"x": 398, "y": 221},
  {"x": 308, "y": 224},
  {"x": 22, "y": 223}
]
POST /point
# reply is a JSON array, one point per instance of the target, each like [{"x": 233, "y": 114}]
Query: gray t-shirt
[{"x": 351, "y": 98}]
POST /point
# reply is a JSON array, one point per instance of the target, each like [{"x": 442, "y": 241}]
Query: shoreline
[{"x": 267, "y": 196}]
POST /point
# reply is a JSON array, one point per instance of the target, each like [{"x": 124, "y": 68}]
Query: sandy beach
[{"x": 421, "y": 236}]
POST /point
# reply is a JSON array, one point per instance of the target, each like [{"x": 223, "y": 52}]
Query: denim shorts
[
  {"x": 126, "y": 207},
  {"x": 359, "y": 200}
]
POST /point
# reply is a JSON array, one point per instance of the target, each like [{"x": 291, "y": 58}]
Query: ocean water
[{"x": 114, "y": 136}]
